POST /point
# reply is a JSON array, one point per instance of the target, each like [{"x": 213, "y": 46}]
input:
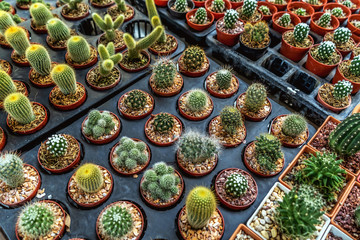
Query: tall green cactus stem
[
  {"x": 218, "y": 6},
  {"x": 285, "y": 20},
  {"x": 200, "y": 16},
  {"x": 108, "y": 25},
  {"x": 58, "y": 30},
  {"x": 249, "y": 8},
  {"x": 194, "y": 57},
  {"x": 164, "y": 73},
  {"x": 231, "y": 119},
  {"x": 345, "y": 139},
  {"x": 11, "y": 170},
  {"x": 78, "y": 49},
  {"x": 40, "y": 14},
  {"x": 200, "y": 206},
  {"x": 355, "y": 66},
  {"x": 89, "y": 178},
  {"x": 223, "y": 78},
  {"x": 324, "y": 20},
  {"x": 265, "y": 10},
  {"x": 357, "y": 216},
  {"x": 115, "y": 222},
  {"x": 301, "y": 32},
  {"x": 152, "y": 12},
  {"x": 236, "y": 184},
  {"x": 135, "y": 48},
  {"x": 301, "y": 12},
  {"x": 121, "y": 6},
  {"x": 18, "y": 106},
  {"x": 231, "y": 17},
  {"x": 337, "y": 12},
  {"x": 108, "y": 58},
  {"x": 7, "y": 85},
  {"x": 163, "y": 122},
  {"x": 72, "y": 4},
  {"x": 342, "y": 35},
  {"x": 65, "y": 78},
  {"x": 17, "y": 38},
  {"x": 39, "y": 59},
  {"x": 325, "y": 50},
  {"x": 6, "y": 21},
  {"x": 294, "y": 125},
  {"x": 342, "y": 89},
  {"x": 196, "y": 100},
  {"x": 255, "y": 97}
]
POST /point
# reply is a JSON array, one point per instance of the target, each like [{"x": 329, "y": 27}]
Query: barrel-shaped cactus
[
  {"x": 164, "y": 73},
  {"x": 196, "y": 100},
  {"x": 249, "y": 8},
  {"x": 342, "y": 89},
  {"x": 325, "y": 50},
  {"x": 64, "y": 77},
  {"x": 255, "y": 97},
  {"x": 163, "y": 122},
  {"x": 181, "y": 5},
  {"x": 40, "y": 14},
  {"x": 6, "y": 21},
  {"x": 218, "y": 6},
  {"x": 200, "y": 16},
  {"x": 294, "y": 125},
  {"x": 236, "y": 185},
  {"x": 89, "y": 178},
  {"x": 230, "y": 18},
  {"x": 7, "y": 85},
  {"x": 193, "y": 58},
  {"x": 265, "y": 10},
  {"x": 223, "y": 78},
  {"x": 337, "y": 12},
  {"x": 355, "y": 66},
  {"x": 11, "y": 169},
  {"x": 18, "y": 106},
  {"x": 39, "y": 59},
  {"x": 284, "y": 20},
  {"x": 58, "y": 30},
  {"x": 301, "y": 12},
  {"x": 108, "y": 25},
  {"x": 115, "y": 222},
  {"x": 17, "y": 38},
  {"x": 231, "y": 119},
  {"x": 301, "y": 32},
  {"x": 342, "y": 35},
  {"x": 108, "y": 58},
  {"x": 135, "y": 100},
  {"x": 324, "y": 20},
  {"x": 78, "y": 49}
]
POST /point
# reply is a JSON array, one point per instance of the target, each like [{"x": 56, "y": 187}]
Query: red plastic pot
[
  {"x": 220, "y": 95},
  {"x": 318, "y": 8},
  {"x": 192, "y": 74},
  {"x": 192, "y": 118},
  {"x": 139, "y": 69},
  {"x": 169, "y": 94},
  {"x": 72, "y": 106},
  {"x": 339, "y": 76},
  {"x": 250, "y": 118},
  {"x": 165, "y": 53},
  {"x": 96, "y": 5},
  {"x": 225, "y": 38},
  {"x": 23, "y": 7},
  {"x": 280, "y": 7},
  {"x": 293, "y": 53},
  {"x": 272, "y": 9},
  {"x": 217, "y": 15},
  {"x": 70, "y": 18},
  {"x": 26, "y": 93},
  {"x": 354, "y": 30},
  {"x": 318, "y": 68},
  {"x": 102, "y": 88},
  {"x": 309, "y": 9},
  {"x": 346, "y": 10},
  {"x": 21, "y": 64},
  {"x": 161, "y": 3},
  {"x": 353, "y": 10},
  {"x": 81, "y": 66},
  {"x": 320, "y": 30},
  {"x": 199, "y": 27},
  {"x": 294, "y": 19},
  {"x": 325, "y": 105},
  {"x": 3, "y": 140},
  {"x": 132, "y": 117},
  {"x": 194, "y": 174}
]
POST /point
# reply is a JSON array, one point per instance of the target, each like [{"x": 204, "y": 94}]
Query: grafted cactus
[
  {"x": 301, "y": 32},
  {"x": 342, "y": 35},
  {"x": 325, "y": 50},
  {"x": 108, "y": 25},
  {"x": 108, "y": 58}
]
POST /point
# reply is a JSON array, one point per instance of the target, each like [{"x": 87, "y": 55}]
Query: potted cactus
[
  {"x": 105, "y": 75},
  {"x": 102, "y": 3},
  {"x": 222, "y": 83},
  {"x": 303, "y": 10},
  {"x": 228, "y": 127},
  {"x": 6, "y": 20},
  {"x": 165, "y": 80},
  {"x": 335, "y": 97},
  {"x": 322, "y": 23},
  {"x": 295, "y": 43},
  {"x": 8, "y": 85},
  {"x": 163, "y": 129},
  {"x": 279, "y": 4},
  {"x": 322, "y": 58},
  {"x": 23, "y": 4},
  {"x": 200, "y": 218},
  {"x": 264, "y": 156},
  {"x": 19, "y": 182},
  {"x": 317, "y": 5},
  {"x": 136, "y": 104},
  {"x": 350, "y": 71},
  {"x": 217, "y": 7},
  {"x": 121, "y": 8},
  {"x": 2, "y": 139},
  {"x": 338, "y": 10},
  {"x": 101, "y": 127},
  {"x": 342, "y": 39},
  {"x": 197, "y": 154},
  {"x": 79, "y": 53},
  {"x": 193, "y": 62},
  {"x": 74, "y": 10},
  {"x": 5, "y": 66},
  {"x": 267, "y": 9},
  {"x": 249, "y": 12},
  {"x": 18, "y": 40},
  {"x": 253, "y": 103},
  {"x": 284, "y": 21},
  {"x": 58, "y": 34},
  {"x": 40, "y": 15},
  {"x": 291, "y": 129},
  {"x": 195, "y": 105},
  {"x": 122, "y": 219},
  {"x": 90, "y": 185},
  {"x": 130, "y": 156},
  {"x": 24, "y": 117},
  {"x": 229, "y": 28},
  {"x": 353, "y": 5},
  {"x": 353, "y": 24},
  {"x": 235, "y": 188},
  {"x": 199, "y": 19},
  {"x": 179, "y": 8}
]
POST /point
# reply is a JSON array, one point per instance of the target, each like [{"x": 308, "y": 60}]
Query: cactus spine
[
  {"x": 130, "y": 153},
  {"x": 342, "y": 35},
  {"x": 325, "y": 50},
  {"x": 194, "y": 58},
  {"x": 108, "y": 25},
  {"x": 39, "y": 59},
  {"x": 337, "y": 12},
  {"x": 6, "y": 21},
  {"x": 7, "y": 85},
  {"x": 11, "y": 170},
  {"x": 223, "y": 78},
  {"x": 136, "y": 100},
  {"x": 78, "y": 49},
  {"x": 231, "y": 119},
  {"x": 17, "y": 38},
  {"x": 324, "y": 20},
  {"x": 163, "y": 122},
  {"x": 18, "y": 106},
  {"x": 154, "y": 18},
  {"x": 108, "y": 58},
  {"x": 255, "y": 97},
  {"x": 98, "y": 124},
  {"x": 115, "y": 222},
  {"x": 58, "y": 30},
  {"x": 265, "y": 10},
  {"x": 301, "y": 32},
  {"x": 355, "y": 66},
  {"x": 342, "y": 89},
  {"x": 89, "y": 178},
  {"x": 164, "y": 73},
  {"x": 236, "y": 184},
  {"x": 180, "y": 5},
  {"x": 57, "y": 145},
  {"x": 40, "y": 14},
  {"x": 65, "y": 78}
]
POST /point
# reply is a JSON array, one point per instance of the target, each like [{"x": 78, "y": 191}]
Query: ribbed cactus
[
  {"x": 98, "y": 124},
  {"x": 130, "y": 154},
  {"x": 342, "y": 35},
  {"x": 342, "y": 89},
  {"x": 223, "y": 78},
  {"x": 257, "y": 32},
  {"x": 200, "y": 16},
  {"x": 40, "y": 14},
  {"x": 236, "y": 185},
  {"x": 301, "y": 32},
  {"x": 294, "y": 125},
  {"x": 6, "y": 21},
  {"x": 11, "y": 169},
  {"x": 108, "y": 25},
  {"x": 218, "y": 6},
  {"x": 58, "y": 30},
  {"x": 357, "y": 216},
  {"x": 255, "y": 97},
  {"x": 7, "y": 85},
  {"x": 57, "y": 145},
  {"x": 121, "y": 5},
  {"x": 231, "y": 17},
  {"x": 325, "y": 50},
  {"x": 355, "y": 66},
  {"x": 78, "y": 49},
  {"x": 18, "y": 106},
  {"x": 231, "y": 119},
  {"x": 301, "y": 12},
  {"x": 181, "y": 5},
  {"x": 72, "y": 4},
  {"x": 196, "y": 100},
  {"x": 347, "y": 3},
  {"x": 108, "y": 58},
  {"x": 164, "y": 73},
  {"x": 89, "y": 178},
  {"x": 194, "y": 58},
  {"x": 324, "y": 20},
  {"x": 337, "y": 12},
  {"x": 39, "y": 59},
  {"x": 265, "y": 10},
  {"x": 154, "y": 18},
  {"x": 163, "y": 122},
  {"x": 136, "y": 100},
  {"x": 344, "y": 140},
  {"x": 267, "y": 151},
  {"x": 200, "y": 206},
  {"x": 249, "y": 8},
  {"x": 17, "y": 38},
  {"x": 284, "y": 20},
  {"x": 64, "y": 77},
  {"x": 115, "y": 222}
]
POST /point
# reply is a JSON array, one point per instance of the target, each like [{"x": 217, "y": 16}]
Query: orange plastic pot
[
  {"x": 353, "y": 10},
  {"x": 309, "y": 9},
  {"x": 280, "y": 7},
  {"x": 294, "y": 19},
  {"x": 225, "y": 38},
  {"x": 199, "y": 3},
  {"x": 319, "y": 7},
  {"x": 161, "y": 3},
  {"x": 346, "y": 10},
  {"x": 272, "y": 9},
  {"x": 354, "y": 30},
  {"x": 320, "y": 30},
  {"x": 199, "y": 27},
  {"x": 334, "y": 109},
  {"x": 217, "y": 15},
  {"x": 339, "y": 76},
  {"x": 293, "y": 53}
]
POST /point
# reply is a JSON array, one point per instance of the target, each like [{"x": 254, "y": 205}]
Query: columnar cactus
[
  {"x": 72, "y": 4},
  {"x": 218, "y": 6},
  {"x": 231, "y": 17},
  {"x": 58, "y": 30},
  {"x": 236, "y": 185},
  {"x": 136, "y": 100},
  {"x": 7, "y": 85},
  {"x": 267, "y": 151},
  {"x": 265, "y": 10},
  {"x": 18, "y": 106},
  {"x": 200, "y": 16},
  {"x": 89, "y": 178},
  {"x": 17, "y": 38},
  {"x": 40, "y": 14},
  {"x": 324, "y": 20},
  {"x": 249, "y": 8},
  {"x": 293, "y": 125},
  {"x": 223, "y": 78},
  {"x": 285, "y": 20},
  {"x": 357, "y": 216},
  {"x": 57, "y": 145},
  {"x": 255, "y": 97},
  {"x": 98, "y": 124},
  {"x": 231, "y": 119},
  {"x": 337, "y": 12},
  {"x": 108, "y": 58},
  {"x": 200, "y": 206},
  {"x": 78, "y": 49},
  {"x": 355, "y": 66},
  {"x": 301, "y": 12},
  {"x": 11, "y": 170},
  {"x": 181, "y": 5},
  {"x": 115, "y": 222},
  {"x": 6, "y": 21},
  {"x": 39, "y": 59},
  {"x": 65, "y": 78},
  {"x": 164, "y": 73},
  {"x": 257, "y": 32},
  {"x": 194, "y": 58},
  {"x": 163, "y": 123},
  {"x": 108, "y": 25},
  {"x": 155, "y": 19},
  {"x": 301, "y": 32},
  {"x": 342, "y": 35},
  {"x": 342, "y": 89},
  {"x": 196, "y": 100},
  {"x": 326, "y": 50},
  {"x": 130, "y": 153}
]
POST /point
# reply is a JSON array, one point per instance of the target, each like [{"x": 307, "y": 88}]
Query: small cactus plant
[
  {"x": 355, "y": 66},
  {"x": 6, "y": 21},
  {"x": 64, "y": 77},
  {"x": 78, "y": 49},
  {"x": 72, "y": 4},
  {"x": 89, "y": 178},
  {"x": 39, "y": 59},
  {"x": 337, "y": 12},
  {"x": 284, "y": 20},
  {"x": 98, "y": 124},
  {"x": 164, "y": 73},
  {"x": 231, "y": 119},
  {"x": 194, "y": 58},
  {"x": 230, "y": 18},
  {"x": 115, "y": 222},
  {"x": 135, "y": 100},
  {"x": 58, "y": 30},
  {"x": 258, "y": 32},
  {"x": 236, "y": 185},
  {"x": 311, "y": 196},
  {"x": 57, "y": 145},
  {"x": 18, "y": 106},
  {"x": 301, "y": 12},
  {"x": 181, "y": 5},
  {"x": 280, "y": 2},
  {"x": 249, "y": 8},
  {"x": 325, "y": 50},
  {"x": 40, "y": 14},
  {"x": 324, "y": 20},
  {"x": 357, "y": 216},
  {"x": 255, "y": 97},
  {"x": 267, "y": 151},
  {"x": 121, "y": 5},
  {"x": 108, "y": 25},
  {"x": 108, "y": 58},
  {"x": 11, "y": 169},
  {"x": 130, "y": 153},
  {"x": 342, "y": 89},
  {"x": 293, "y": 125},
  {"x": 301, "y": 32},
  {"x": 265, "y": 10},
  {"x": 17, "y": 38},
  {"x": 200, "y": 16},
  {"x": 5, "y": 6},
  {"x": 342, "y": 35},
  {"x": 7, "y": 85},
  {"x": 196, "y": 100},
  {"x": 223, "y": 78},
  {"x": 218, "y": 6},
  {"x": 163, "y": 123},
  {"x": 347, "y": 3},
  {"x": 155, "y": 19}
]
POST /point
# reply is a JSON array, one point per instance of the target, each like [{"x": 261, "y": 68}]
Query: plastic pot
[
  {"x": 320, "y": 30},
  {"x": 280, "y": 7},
  {"x": 217, "y": 15},
  {"x": 55, "y": 48},
  {"x": 192, "y": 118},
  {"x": 132, "y": 117},
  {"x": 343, "y": 52},
  {"x": 165, "y": 53},
  {"x": 199, "y": 27},
  {"x": 102, "y": 88},
  {"x": 328, "y": 106},
  {"x": 168, "y": 94},
  {"x": 3, "y": 139},
  {"x": 225, "y": 38},
  {"x": 294, "y": 19},
  {"x": 346, "y": 10},
  {"x": 161, "y": 3},
  {"x": 138, "y": 69},
  {"x": 177, "y": 14},
  {"x": 272, "y": 9},
  {"x": 195, "y": 174},
  {"x": 353, "y": 10},
  {"x": 309, "y": 9},
  {"x": 188, "y": 73},
  {"x": 354, "y": 30},
  {"x": 38, "y": 31},
  {"x": 291, "y": 52},
  {"x": 254, "y": 52},
  {"x": 246, "y": 230},
  {"x": 221, "y": 95},
  {"x": 250, "y": 118},
  {"x": 318, "y": 8},
  {"x": 81, "y": 66},
  {"x": 96, "y": 5},
  {"x": 72, "y": 106},
  {"x": 199, "y": 4}
]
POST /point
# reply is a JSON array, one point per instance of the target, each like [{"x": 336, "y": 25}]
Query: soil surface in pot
[
  {"x": 276, "y": 130},
  {"x": 61, "y": 43},
  {"x": 246, "y": 40},
  {"x": 326, "y": 93},
  {"x": 178, "y": 83},
  {"x": 187, "y": 9},
  {"x": 198, "y": 114},
  {"x": 20, "y": 87},
  {"x": 167, "y": 46},
  {"x": 82, "y": 10},
  {"x": 58, "y": 98},
  {"x": 253, "y": 18},
  {"x": 216, "y": 130},
  {"x": 212, "y": 85},
  {"x": 102, "y": 2},
  {"x": 19, "y": 59},
  {"x": 348, "y": 46},
  {"x": 198, "y": 168},
  {"x": 170, "y": 136},
  {"x": 293, "y": 10},
  {"x": 289, "y": 38},
  {"x": 149, "y": 106},
  {"x": 105, "y": 136},
  {"x": 204, "y": 66},
  {"x": 329, "y": 26},
  {"x": 263, "y": 112},
  {"x": 40, "y": 114},
  {"x": 290, "y": 26},
  {"x": 5, "y": 65},
  {"x": 114, "y": 12},
  {"x": 118, "y": 40},
  {"x": 344, "y": 68},
  {"x": 40, "y": 79},
  {"x": 238, "y": 27},
  {"x": 94, "y": 77},
  {"x": 93, "y": 55},
  {"x": 135, "y": 63}
]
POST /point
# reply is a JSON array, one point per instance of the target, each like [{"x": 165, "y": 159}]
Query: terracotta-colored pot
[
  {"x": 129, "y": 116},
  {"x": 55, "y": 48},
  {"x": 195, "y": 174},
  {"x": 346, "y": 10},
  {"x": 3, "y": 139},
  {"x": 225, "y": 38},
  {"x": 293, "y": 53},
  {"x": 168, "y": 94},
  {"x": 199, "y": 4},
  {"x": 138, "y": 69},
  {"x": 294, "y": 19},
  {"x": 199, "y": 27},
  {"x": 344, "y": 53},
  {"x": 254, "y": 119},
  {"x": 21, "y": 64},
  {"x": 102, "y": 88},
  {"x": 272, "y": 9},
  {"x": 192, "y": 118},
  {"x": 72, "y": 106},
  {"x": 220, "y": 95},
  {"x": 353, "y": 10},
  {"x": 339, "y": 76},
  {"x": 355, "y": 37},
  {"x": 280, "y": 7},
  {"x": 318, "y": 8},
  {"x": 80, "y": 66},
  {"x": 161, "y": 3},
  {"x": 184, "y": 71},
  {"x": 329, "y": 118},
  {"x": 328, "y": 106},
  {"x": 320, "y": 30},
  {"x": 165, "y": 53},
  {"x": 217, "y": 15},
  {"x": 318, "y": 68},
  {"x": 354, "y": 30},
  {"x": 96, "y": 5},
  {"x": 257, "y": 9},
  {"x": 246, "y": 230},
  {"x": 38, "y": 31},
  {"x": 309, "y": 9},
  {"x": 71, "y": 18}
]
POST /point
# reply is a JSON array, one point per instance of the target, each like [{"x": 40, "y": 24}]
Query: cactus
[
  {"x": 249, "y": 8},
  {"x": 65, "y": 78},
  {"x": 7, "y": 85},
  {"x": 200, "y": 16},
  {"x": 17, "y": 38},
  {"x": 57, "y": 145},
  {"x": 200, "y": 206},
  {"x": 180, "y": 5},
  {"x": 58, "y": 30},
  {"x": 154, "y": 18},
  {"x": 357, "y": 216},
  {"x": 325, "y": 50},
  {"x": 5, "y": 6},
  {"x": 16, "y": 18},
  {"x": 196, "y": 100},
  {"x": 130, "y": 153},
  {"x": 231, "y": 119},
  {"x": 311, "y": 196},
  {"x": 36, "y": 221},
  {"x": 337, "y": 12},
  {"x": 108, "y": 25},
  {"x": 39, "y": 59},
  {"x": 236, "y": 185},
  {"x": 301, "y": 12},
  {"x": 161, "y": 182},
  {"x": 6, "y": 21},
  {"x": 11, "y": 170},
  {"x": 255, "y": 97},
  {"x": 257, "y": 32},
  {"x": 344, "y": 140},
  {"x": 98, "y": 124},
  {"x": 265, "y": 10},
  {"x": 293, "y": 125},
  {"x": 355, "y": 66},
  {"x": 40, "y": 14},
  {"x": 108, "y": 58},
  {"x": 347, "y": 3},
  {"x": 313, "y": 2},
  {"x": 223, "y": 78},
  {"x": 231, "y": 17},
  {"x": 121, "y": 6},
  {"x": 342, "y": 35},
  {"x": 284, "y": 20},
  {"x": 342, "y": 89},
  {"x": 324, "y": 20},
  {"x": 163, "y": 122},
  {"x": 115, "y": 222},
  {"x": 267, "y": 151},
  {"x": 72, "y": 4},
  {"x": 78, "y": 49},
  {"x": 89, "y": 178},
  {"x": 218, "y": 6},
  {"x": 164, "y": 73},
  {"x": 136, "y": 100},
  {"x": 301, "y": 32},
  {"x": 194, "y": 58},
  {"x": 280, "y": 2},
  {"x": 18, "y": 106},
  {"x": 43, "y": 2}
]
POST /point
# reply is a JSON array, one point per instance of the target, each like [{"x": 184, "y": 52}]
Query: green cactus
[
  {"x": 18, "y": 106},
  {"x": 164, "y": 73},
  {"x": 357, "y": 216},
  {"x": 78, "y": 49},
  {"x": 265, "y": 10},
  {"x": 218, "y": 6},
  {"x": 293, "y": 125},
  {"x": 223, "y": 78},
  {"x": 194, "y": 58},
  {"x": 342, "y": 89},
  {"x": 200, "y": 206},
  {"x": 324, "y": 20},
  {"x": 58, "y": 30},
  {"x": 136, "y": 100},
  {"x": 163, "y": 122},
  {"x": 121, "y": 5},
  {"x": 65, "y": 78},
  {"x": 285, "y": 20},
  {"x": 200, "y": 16},
  {"x": 267, "y": 151},
  {"x": 130, "y": 153},
  {"x": 325, "y": 50},
  {"x": 337, "y": 12},
  {"x": 311, "y": 196},
  {"x": 17, "y": 38},
  {"x": 231, "y": 119},
  {"x": 180, "y": 5},
  {"x": 301, "y": 12},
  {"x": 72, "y": 4},
  {"x": 301, "y": 32},
  {"x": 236, "y": 185},
  {"x": 249, "y": 8},
  {"x": 257, "y": 32},
  {"x": 108, "y": 58},
  {"x": 7, "y": 85},
  {"x": 36, "y": 220},
  {"x": 11, "y": 170},
  {"x": 280, "y": 2},
  {"x": 347, "y": 3},
  {"x": 5, "y": 6},
  {"x": 342, "y": 35},
  {"x": 255, "y": 97},
  {"x": 39, "y": 59},
  {"x": 231, "y": 17},
  {"x": 355, "y": 66},
  {"x": 196, "y": 100},
  {"x": 40, "y": 14},
  {"x": 6, "y": 21},
  {"x": 89, "y": 178},
  {"x": 154, "y": 18},
  {"x": 57, "y": 145},
  {"x": 108, "y": 25},
  {"x": 344, "y": 140},
  {"x": 115, "y": 222},
  {"x": 16, "y": 18},
  {"x": 98, "y": 124}
]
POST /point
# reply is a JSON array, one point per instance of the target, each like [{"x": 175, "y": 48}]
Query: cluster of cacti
[
  {"x": 6, "y": 21},
  {"x": 223, "y": 78},
  {"x": 301, "y": 32},
  {"x": 325, "y": 50},
  {"x": 230, "y": 18},
  {"x": 7, "y": 85},
  {"x": 280, "y": 2},
  {"x": 301, "y": 12},
  {"x": 57, "y": 145},
  {"x": 181, "y": 5},
  {"x": 342, "y": 35},
  {"x": 231, "y": 119},
  {"x": 161, "y": 182},
  {"x": 265, "y": 10},
  {"x": 293, "y": 125},
  {"x": 342, "y": 89},
  {"x": 196, "y": 100},
  {"x": 72, "y": 4},
  {"x": 108, "y": 58},
  {"x": 78, "y": 49},
  {"x": 58, "y": 30},
  {"x": 347, "y": 3},
  {"x": 357, "y": 216},
  {"x": 39, "y": 59},
  {"x": 200, "y": 206},
  {"x": 344, "y": 140},
  {"x": 130, "y": 153},
  {"x": 337, "y": 12},
  {"x": 155, "y": 19},
  {"x": 89, "y": 178},
  {"x": 164, "y": 73},
  {"x": 40, "y": 14},
  {"x": 121, "y": 6},
  {"x": 5, "y": 6},
  {"x": 108, "y": 25},
  {"x": 136, "y": 100},
  {"x": 257, "y": 32},
  {"x": 311, "y": 196},
  {"x": 255, "y": 97},
  {"x": 249, "y": 8},
  {"x": 284, "y": 20},
  {"x": 98, "y": 124},
  {"x": 163, "y": 123},
  {"x": 18, "y": 106},
  {"x": 324, "y": 20},
  {"x": 200, "y": 16},
  {"x": 64, "y": 77},
  {"x": 267, "y": 151},
  {"x": 18, "y": 40},
  {"x": 115, "y": 222},
  {"x": 11, "y": 170},
  {"x": 218, "y": 6},
  {"x": 36, "y": 220},
  {"x": 194, "y": 58},
  {"x": 236, "y": 184},
  {"x": 355, "y": 66}
]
